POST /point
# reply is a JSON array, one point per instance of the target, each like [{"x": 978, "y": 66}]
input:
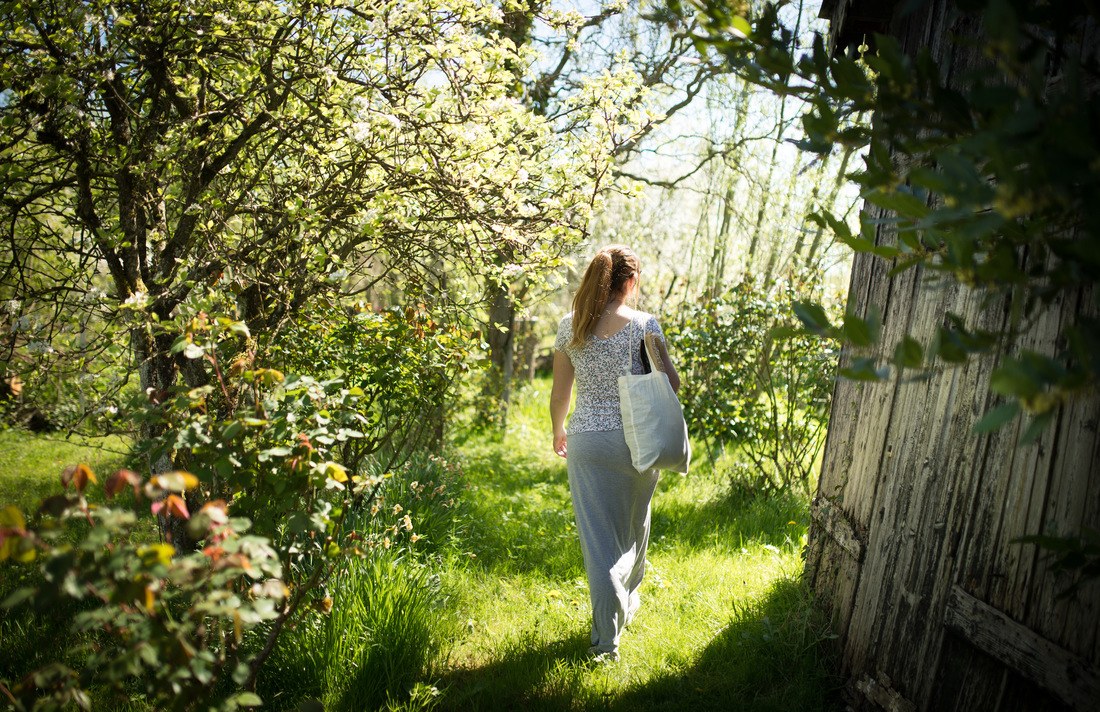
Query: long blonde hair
[{"x": 607, "y": 275}]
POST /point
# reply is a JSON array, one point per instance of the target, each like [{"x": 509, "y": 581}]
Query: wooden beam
[
  {"x": 880, "y": 690},
  {"x": 836, "y": 524},
  {"x": 1050, "y": 666}
]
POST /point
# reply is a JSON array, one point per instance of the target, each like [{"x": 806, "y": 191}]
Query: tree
[{"x": 268, "y": 150}]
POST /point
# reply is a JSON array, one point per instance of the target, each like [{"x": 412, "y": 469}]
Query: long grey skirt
[{"x": 611, "y": 502}]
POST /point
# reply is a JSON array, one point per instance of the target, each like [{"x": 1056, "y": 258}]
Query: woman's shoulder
[{"x": 565, "y": 332}]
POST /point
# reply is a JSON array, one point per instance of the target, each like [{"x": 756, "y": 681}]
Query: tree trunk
[
  {"x": 501, "y": 339},
  {"x": 777, "y": 244},
  {"x": 830, "y": 202},
  {"x": 157, "y": 374}
]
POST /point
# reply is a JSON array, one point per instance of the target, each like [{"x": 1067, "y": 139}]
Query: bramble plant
[{"x": 152, "y": 620}]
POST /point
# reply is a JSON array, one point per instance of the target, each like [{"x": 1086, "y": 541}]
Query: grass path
[{"x": 724, "y": 623}]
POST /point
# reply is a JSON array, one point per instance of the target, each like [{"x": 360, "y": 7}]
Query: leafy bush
[
  {"x": 403, "y": 360},
  {"x": 262, "y": 453},
  {"x": 745, "y": 386},
  {"x": 147, "y": 620}
]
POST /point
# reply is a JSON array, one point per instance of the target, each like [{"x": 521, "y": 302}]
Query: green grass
[
  {"x": 725, "y": 623},
  {"x": 31, "y": 464}
]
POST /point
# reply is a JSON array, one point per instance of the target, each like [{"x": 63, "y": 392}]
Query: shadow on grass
[
  {"x": 774, "y": 655},
  {"x": 529, "y": 676}
]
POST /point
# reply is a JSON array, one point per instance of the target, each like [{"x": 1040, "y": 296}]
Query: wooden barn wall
[{"x": 912, "y": 542}]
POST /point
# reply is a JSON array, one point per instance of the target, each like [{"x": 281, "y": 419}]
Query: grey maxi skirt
[{"x": 611, "y": 502}]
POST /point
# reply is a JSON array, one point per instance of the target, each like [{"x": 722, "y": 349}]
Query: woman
[{"x": 594, "y": 345}]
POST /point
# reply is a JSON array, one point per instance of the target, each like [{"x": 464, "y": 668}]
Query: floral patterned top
[{"x": 598, "y": 365}]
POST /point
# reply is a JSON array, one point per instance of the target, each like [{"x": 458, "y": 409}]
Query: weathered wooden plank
[
  {"x": 933, "y": 460},
  {"x": 881, "y": 692},
  {"x": 832, "y": 574},
  {"x": 1025, "y": 500},
  {"x": 1068, "y": 675},
  {"x": 835, "y": 575},
  {"x": 876, "y": 413},
  {"x": 1072, "y": 623},
  {"x": 855, "y": 495},
  {"x": 896, "y": 592}
]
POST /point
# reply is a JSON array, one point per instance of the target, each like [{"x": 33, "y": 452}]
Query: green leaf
[
  {"x": 860, "y": 332},
  {"x": 1013, "y": 380},
  {"x": 904, "y": 204},
  {"x": 813, "y": 316},
  {"x": 863, "y": 369},
  {"x": 997, "y": 418},
  {"x": 740, "y": 26},
  {"x": 1036, "y": 427},
  {"x": 246, "y": 699},
  {"x": 18, "y": 596},
  {"x": 240, "y": 328},
  {"x": 908, "y": 353}
]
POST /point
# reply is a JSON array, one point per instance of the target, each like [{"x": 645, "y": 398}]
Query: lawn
[{"x": 31, "y": 464}]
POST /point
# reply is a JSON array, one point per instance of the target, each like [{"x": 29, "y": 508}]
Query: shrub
[
  {"x": 749, "y": 381},
  {"x": 146, "y": 620},
  {"x": 403, "y": 360},
  {"x": 258, "y": 513}
]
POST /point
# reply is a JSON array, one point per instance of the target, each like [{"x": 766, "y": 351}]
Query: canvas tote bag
[{"x": 653, "y": 421}]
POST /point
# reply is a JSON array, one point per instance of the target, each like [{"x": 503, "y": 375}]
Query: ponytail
[{"x": 606, "y": 276}]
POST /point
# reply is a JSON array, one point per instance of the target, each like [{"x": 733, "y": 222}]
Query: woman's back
[{"x": 599, "y": 362}]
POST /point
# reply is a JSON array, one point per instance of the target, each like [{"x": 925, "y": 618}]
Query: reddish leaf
[
  {"x": 172, "y": 506},
  {"x": 79, "y": 475},
  {"x": 118, "y": 481}
]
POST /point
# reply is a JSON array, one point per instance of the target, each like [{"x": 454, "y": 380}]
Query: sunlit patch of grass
[{"x": 31, "y": 464}]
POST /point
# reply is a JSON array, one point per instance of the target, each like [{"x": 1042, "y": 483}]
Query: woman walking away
[{"x": 599, "y": 341}]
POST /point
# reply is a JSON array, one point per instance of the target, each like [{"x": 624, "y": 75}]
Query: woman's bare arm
[
  {"x": 559, "y": 399},
  {"x": 673, "y": 377}
]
